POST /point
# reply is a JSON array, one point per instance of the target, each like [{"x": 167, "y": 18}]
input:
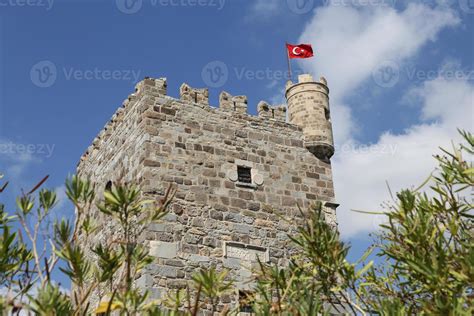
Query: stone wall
[
  {"x": 308, "y": 105},
  {"x": 156, "y": 141}
]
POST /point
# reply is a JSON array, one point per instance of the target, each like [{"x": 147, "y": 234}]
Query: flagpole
[{"x": 288, "y": 60}]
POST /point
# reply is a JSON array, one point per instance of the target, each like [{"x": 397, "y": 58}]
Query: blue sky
[{"x": 400, "y": 73}]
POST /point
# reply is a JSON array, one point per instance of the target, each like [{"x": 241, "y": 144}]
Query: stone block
[
  {"x": 246, "y": 195},
  {"x": 233, "y": 217},
  {"x": 232, "y": 263},
  {"x": 209, "y": 241},
  {"x": 170, "y": 217},
  {"x": 145, "y": 280},
  {"x": 176, "y": 284},
  {"x": 198, "y": 258},
  {"x": 216, "y": 214},
  {"x": 157, "y": 293},
  {"x": 193, "y": 95},
  {"x": 157, "y": 227},
  {"x": 161, "y": 249},
  {"x": 241, "y": 228},
  {"x": 164, "y": 271},
  {"x": 238, "y": 203},
  {"x": 174, "y": 263},
  {"x": 188, "y": 248}
]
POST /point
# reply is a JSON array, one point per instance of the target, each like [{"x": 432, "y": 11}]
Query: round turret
[{"x": 308, "y": 107}]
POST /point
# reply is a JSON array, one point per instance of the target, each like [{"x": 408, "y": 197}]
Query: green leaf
[{"x": 364, "y": 269}]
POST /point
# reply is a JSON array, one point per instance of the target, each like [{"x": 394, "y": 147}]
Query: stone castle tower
[{"x": 236, "y": 175}]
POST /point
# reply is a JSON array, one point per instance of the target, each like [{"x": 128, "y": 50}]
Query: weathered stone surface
[
  {"x": 156, "y": 293},
  {"x": 154, "y": 141},
  {"x": 198, "y": 258},
  {"x": 163, "y": 249},
  {"x": 145, "y": 281},
  {"x": 166, "y": 271},
  {"x": 232, "y": 263},
  {"x": 157, "y": 227},
  {"x": 315, "y": 120}
]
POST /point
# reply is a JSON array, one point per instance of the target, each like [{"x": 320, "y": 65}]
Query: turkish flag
[{"x": 299, "y": 51}]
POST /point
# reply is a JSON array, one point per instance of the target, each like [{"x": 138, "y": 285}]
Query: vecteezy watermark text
[
  {"x": 216, "y": 73},
  {"x": 48, "y": 4},
  {"x": 100, "y": 74},
  {"x": 380, "y": 149},
  {"x": 413, "y": 73},
  {"x": 11, "y": 148},
  {"x": 305, "y": 6},
  {"x": 261, "y": 74},
  {"x": 133, "y": 6},
  {"x": 359, "y": 3},
  {"x": 388, "y": 73},
  {"x": 45, "y": 73}
]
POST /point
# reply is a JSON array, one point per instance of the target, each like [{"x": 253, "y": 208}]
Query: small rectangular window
[
  {"x": 244, "y": 174},
  {"x": 326, "y": 114},
  {"x": 246, "y": 301}
]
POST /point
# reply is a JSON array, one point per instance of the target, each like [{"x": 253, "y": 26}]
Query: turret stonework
[
  {"x": 308, "y": 107},
  {"x": 239, "y": 178}
]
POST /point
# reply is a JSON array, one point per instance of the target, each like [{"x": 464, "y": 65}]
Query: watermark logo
[
  {"x": 467, "y": 6},
  {"x": 43, "y": 74},
  {"x": 133, "y": 6},
  {"x": 215, "y": 74},
  {"x": 48, "y": 4},
  {"x": 129, "y": 6},
  {"x": 386, "y": 74},
  {"x": 300, "y": 6}
]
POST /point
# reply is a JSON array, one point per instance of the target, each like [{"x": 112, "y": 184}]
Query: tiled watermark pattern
[
  {"x": 46, "y": 4},
  {"x": 388, "y": 73},
  {"x": 12, "y": 149},
  {"x": 134, "y": 6},
  {"x": 216, "y": 73},
  {"x": 45, "y": 73}
]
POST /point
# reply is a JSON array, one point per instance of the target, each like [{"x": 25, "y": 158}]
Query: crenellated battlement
[
  {"x": 277, "y": 112},
  {"x": 152, "y": 86},
  {"x": 193, "y": 95},
  {"x": 157, "y": 87},
  {"x": 238, "y": 104}
]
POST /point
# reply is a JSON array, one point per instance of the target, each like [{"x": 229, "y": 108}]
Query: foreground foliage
[
  {"x": 428, "y": 246},
  {"x": 425, "y": 251}
]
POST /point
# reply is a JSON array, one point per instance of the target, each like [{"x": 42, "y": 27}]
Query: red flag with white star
[{"x": 299, "y": 51}]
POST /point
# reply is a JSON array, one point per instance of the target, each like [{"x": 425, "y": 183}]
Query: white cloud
[
  {"x": 404, "y": 159},
  {"x": 349, "y": 44},
  {"x": 264, "y": 9},
  {"x": 14, "y": 162},
  {"x": 446, "y": 100}
]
